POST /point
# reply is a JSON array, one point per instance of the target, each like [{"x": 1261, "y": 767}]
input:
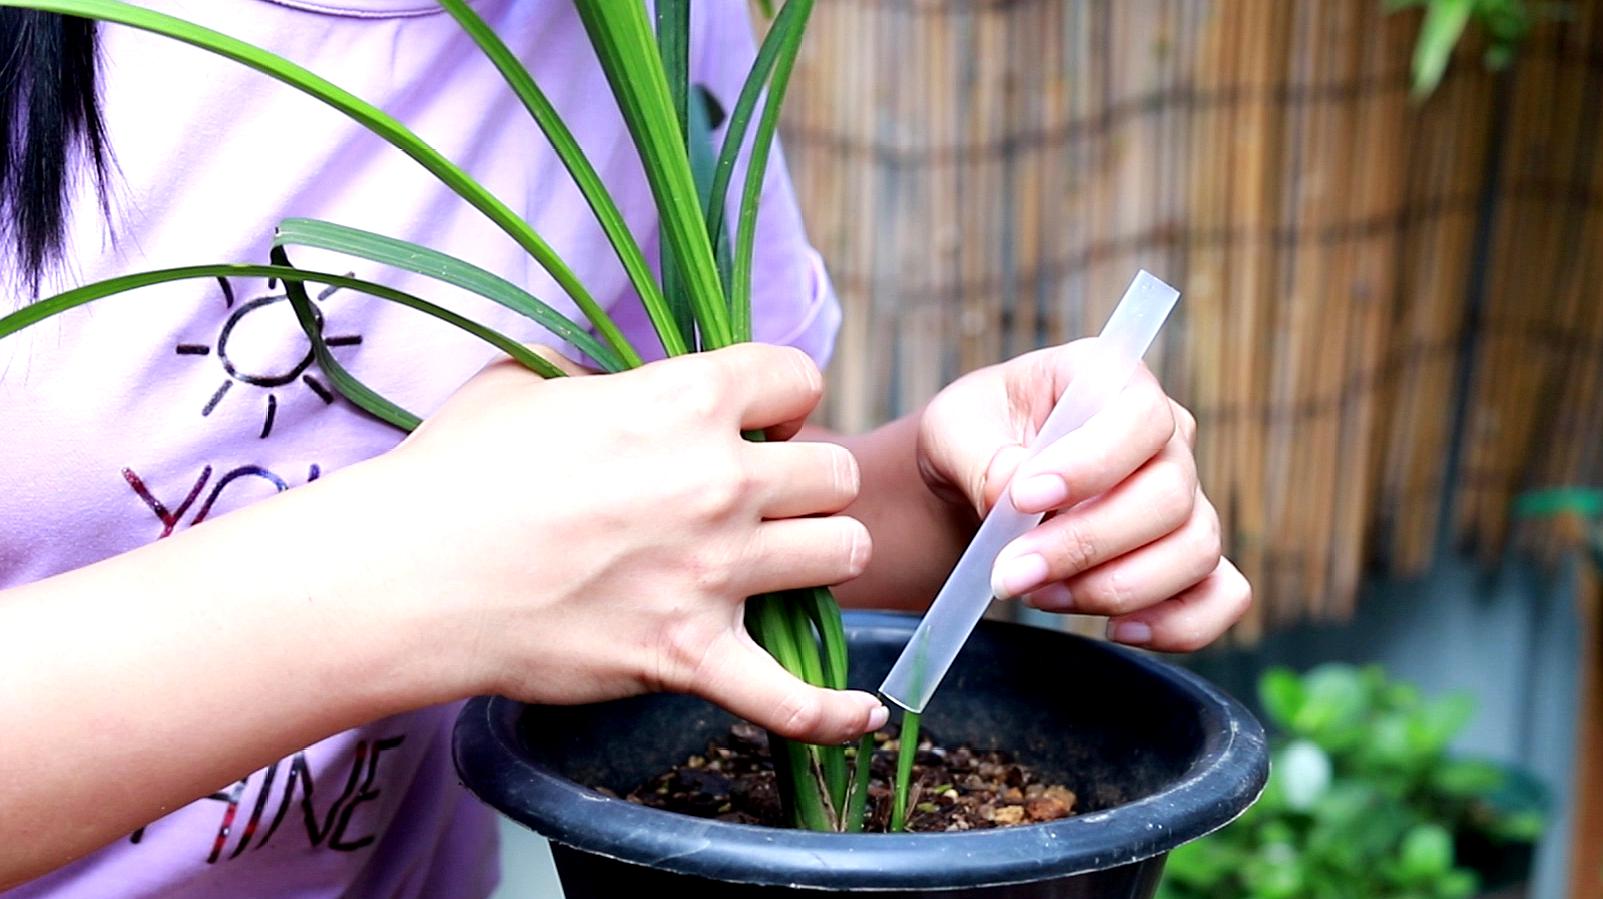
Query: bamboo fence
[{"x": 1390, "y": 323}]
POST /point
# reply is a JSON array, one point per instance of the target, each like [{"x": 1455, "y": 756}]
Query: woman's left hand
[{"x": 1129, "y": 533}]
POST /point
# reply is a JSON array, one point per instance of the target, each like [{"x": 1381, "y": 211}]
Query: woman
[{"x": 262, "y": 705}]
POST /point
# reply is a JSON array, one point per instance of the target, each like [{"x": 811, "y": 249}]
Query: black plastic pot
[{"x": 1157, "y": 755}]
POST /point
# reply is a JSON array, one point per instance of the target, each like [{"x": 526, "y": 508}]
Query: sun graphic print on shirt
[{"x": 264, "y": 351}]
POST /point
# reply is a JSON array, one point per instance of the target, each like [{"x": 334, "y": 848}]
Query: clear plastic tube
[{"x": 966, "y": 594}]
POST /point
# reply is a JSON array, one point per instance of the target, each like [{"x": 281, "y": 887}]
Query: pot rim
[{"x": 1224, "y": 780}]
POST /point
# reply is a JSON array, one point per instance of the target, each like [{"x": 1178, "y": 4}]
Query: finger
[
  {"x": 1100, "y": 453},
  {"x": 785, "y": 430},
  {"x": 1147, "y": 576},
  {"x": 1191, "y": 620},
  {"x": 747, "y": 681},
  {"x": 568, "y": 366},
  {"x": 804, "y": 478},
  {"x": 804, "y": 552},
  {"x": 766, "y": 386},
  {"x": 1155, "y": 501},
  {"x": 1185, "y": 423}
]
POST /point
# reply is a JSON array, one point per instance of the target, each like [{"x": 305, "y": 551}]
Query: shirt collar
[{"x": 365, "y": 9}]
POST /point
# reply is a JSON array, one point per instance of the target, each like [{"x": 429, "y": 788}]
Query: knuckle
[
  {"x": 1207, "y": 541},
  {"x": 706, "y": 571},
  {"x": 1189, "y": 637},
  {"x": 1157, "y": 411},
  {"x": 1240, "y": 594},
  {"x": 1163, "y": 412},
  {"x": 1076, "y": 548},
  {"x": 1115, "y": 595},
  {"x": 1177, "y": 492},
  {"x": 700, "y": 399},
  {"x": 1185, "y": 423},
  {"x": 683, "y": 653},
  {"x": 714, "y": 574},
  {"x": 720, "y": 497}
]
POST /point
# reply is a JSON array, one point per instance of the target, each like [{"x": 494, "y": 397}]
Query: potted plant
[
  {"x": 1157, "y": 756},
  {"x": 1192, "y": 759},
  {"x": 1366, "y": 800}
]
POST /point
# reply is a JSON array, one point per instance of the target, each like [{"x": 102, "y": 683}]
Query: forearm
[
  {"x": 134, "y": 686},
  {"x": 917, "y": 535}
]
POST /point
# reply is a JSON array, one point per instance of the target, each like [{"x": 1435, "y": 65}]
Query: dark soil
[{"x": 953, "y": 789}]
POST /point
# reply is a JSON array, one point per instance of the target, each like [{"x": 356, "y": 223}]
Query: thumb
[
  {"x": 1001, "y": 470},
  {"x": 973, "y": 434},
  {"x": 750, "y": 683}
]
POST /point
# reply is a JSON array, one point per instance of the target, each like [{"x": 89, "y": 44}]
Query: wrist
[{"x": 366, "y": 553}]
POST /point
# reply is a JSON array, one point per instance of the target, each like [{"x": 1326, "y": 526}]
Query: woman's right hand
[{"x": 594, "y": 537}]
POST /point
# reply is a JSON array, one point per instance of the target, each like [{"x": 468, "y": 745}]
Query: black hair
[{"x": 51, "y": 128}]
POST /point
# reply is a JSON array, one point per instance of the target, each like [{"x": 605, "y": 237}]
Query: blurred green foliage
[
  {"x": 1506, "y": 22},
  {"x": 1363, "y": 798}
]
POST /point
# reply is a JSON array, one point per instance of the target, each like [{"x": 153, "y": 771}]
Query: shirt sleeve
[{"x": 793, "y": 302}]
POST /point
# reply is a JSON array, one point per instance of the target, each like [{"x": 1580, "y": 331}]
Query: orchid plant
[{"x": 702, "y": 301}]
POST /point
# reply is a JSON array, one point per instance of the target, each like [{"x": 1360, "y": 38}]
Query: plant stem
[
  {"x": 857, "y": 794},
  {"x": 906, "y": 750}
]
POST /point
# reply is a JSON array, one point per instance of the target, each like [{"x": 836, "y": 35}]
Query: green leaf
[
  {"x": 762, "y": 144},
  {"x": 1280, "y": 690},
  {"x": 447, "y": 269},
  {"x": 1445, "y": 21},
  {"x": 783, "y": 31},
  {"x": 1206, "y": 864},
  {"x": 348, "y": 385},
  {"x": 767, "y": 621},
  {"x": 622, "y": 36},
  {"x": 1518, "y": 827},
  {"x": 906, "y": 752},
  {"x": 360, "y": 111},
  {"x": 1466, "y": 778},
  {"x": 1276, "y": 872},
  {"x": 857, "y": 793},
  {"x": 673, "y": 43},
  {"x": 704, "y": 166},
  {"x": 1437, "y": 723},
  {"x": 824, "y": 612},
  {"x": 72, "y": 299},
  {"x": 578, "y": 165},
  {"x": 1459, "y": 883},
  {"x": 1427, "y": 853},
  {"x": 823, "y": 615},
  {"x": 1333, "y": 707}
]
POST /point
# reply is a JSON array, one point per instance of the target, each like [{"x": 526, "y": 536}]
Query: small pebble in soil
[{"x": 953, "y": 789}]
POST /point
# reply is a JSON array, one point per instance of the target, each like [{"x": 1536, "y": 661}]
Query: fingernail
[
  {"x": 1130, "y": 633},
  {"x": 878, "y": 717},
  {"x": 1017, "y": 576},
  {"x": 1040, "y": 492},
  {"x": 1053, "y": 598}
]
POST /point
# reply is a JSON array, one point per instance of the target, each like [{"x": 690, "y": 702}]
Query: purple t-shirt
[{"x": 148, "y": 414}]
